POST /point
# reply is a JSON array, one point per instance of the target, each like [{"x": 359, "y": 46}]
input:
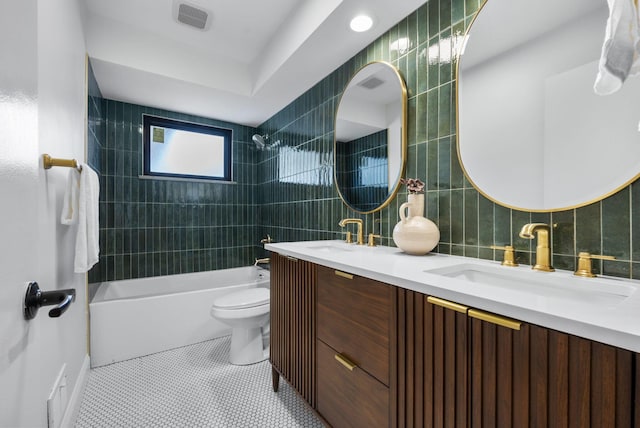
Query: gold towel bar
[{"x": 48, "y": 162}]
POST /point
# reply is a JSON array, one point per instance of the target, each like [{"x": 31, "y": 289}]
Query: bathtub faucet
[{"x": 263, "y": 261}]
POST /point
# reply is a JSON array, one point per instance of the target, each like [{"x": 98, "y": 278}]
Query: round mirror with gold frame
[
  {"x": 370, "y": 138},
  {"x": 532, "y": 133}
]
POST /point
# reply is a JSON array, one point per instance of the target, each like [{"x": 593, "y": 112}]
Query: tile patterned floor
[{"x": 193, "y": 386}]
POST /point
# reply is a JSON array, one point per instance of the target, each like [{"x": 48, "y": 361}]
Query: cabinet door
[
  {"x": 432, "y": 362},
  {"x": 292, "y": 350},
  {"x": 536, "y": 377}
]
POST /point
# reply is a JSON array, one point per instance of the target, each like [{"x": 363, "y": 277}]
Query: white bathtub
[{"x": 137, "y": 317}]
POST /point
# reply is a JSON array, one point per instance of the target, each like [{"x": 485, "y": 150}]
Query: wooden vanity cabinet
[
  {"x": 476, "y": 373},
  {"x": 356, "y": 345},
  {"x": 293, "y": 345},
  {"x": 367, "y": 354}
]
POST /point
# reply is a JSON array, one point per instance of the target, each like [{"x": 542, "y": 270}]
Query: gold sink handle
[
  {"x": 584, "y": 263},
  {"x": 372, "y": 239},
  {"x": 509, "y": 255}
]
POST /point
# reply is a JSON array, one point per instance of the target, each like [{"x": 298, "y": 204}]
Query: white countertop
[{"x": 616, "y": 324}]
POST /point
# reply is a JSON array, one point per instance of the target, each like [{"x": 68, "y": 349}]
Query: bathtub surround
[{"x": 161, "y": 227}]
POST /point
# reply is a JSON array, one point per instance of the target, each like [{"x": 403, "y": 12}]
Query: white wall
[{"x": 42, "y": 105}]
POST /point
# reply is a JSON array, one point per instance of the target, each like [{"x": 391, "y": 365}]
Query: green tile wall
[
  {"x": 161, "y": 227},
  {"x": 469, "y": 223}
]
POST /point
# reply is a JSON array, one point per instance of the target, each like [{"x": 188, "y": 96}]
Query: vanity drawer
[
  {"x": 349, "y": 398},
  {"x": 354, "y": 316}
]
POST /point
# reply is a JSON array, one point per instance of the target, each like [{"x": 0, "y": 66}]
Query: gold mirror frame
[
  {"x": 466, "y": 174},
  {"x": 403, "y": 138}
]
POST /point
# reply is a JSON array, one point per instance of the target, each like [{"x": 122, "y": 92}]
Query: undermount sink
[
  {"x": 554, "y": 285},
  {"x": 331, "y": 247}
]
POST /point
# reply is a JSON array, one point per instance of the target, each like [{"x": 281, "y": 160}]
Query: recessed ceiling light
[{"x": 361, "y": 23}]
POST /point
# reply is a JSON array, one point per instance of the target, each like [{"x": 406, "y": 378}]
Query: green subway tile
[
  {"x": 432, "y": 114},
  {"x": 563, "y": 236},
  {"x": 393, "y": 40},
  {"x": 457, "y": 176},
  {"x": 423, "y": 23},
  {"x": 421, "y": 161},
  {"x": 412, "y": 74},
  {"x": 457, "y": 10},
  {"x": 433, "y": 63},
  {"x": 471, "y": 217},
  {"x": 444, "y": 215},
  {"x": 444, "y": 163},
  {"x": 457, "y": 217},
  {"x": 434, "y": 16},
  {"x": 444, "y": 110},
  {"x": 422, "y": 67},
  {"x": 412, "y": 30},
  {"x": 485, "y": 222},
  {"x": 421, "y": 114},
  {"x": 432, "y": 165},
  {"x": 445, "y": 13},
  {"x": 502, "y": 226},
  {"x": 616, "y": 225},
  {"x": 445, "y": 57},
  {"x": 589, "y": 229}
]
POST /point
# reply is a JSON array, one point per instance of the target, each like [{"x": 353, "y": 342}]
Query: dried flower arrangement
[{"x": 414, "y": 185}]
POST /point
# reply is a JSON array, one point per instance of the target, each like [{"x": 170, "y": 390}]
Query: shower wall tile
[
  {"x": 160, "y": 227},
  {"x": 469, "y": 223}
]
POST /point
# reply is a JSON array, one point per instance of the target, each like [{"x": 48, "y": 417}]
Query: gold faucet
[
  {"x": 543, "y": 251},
  {"x": 357, "y": 221},
  {"x": 263, "y": 261}
]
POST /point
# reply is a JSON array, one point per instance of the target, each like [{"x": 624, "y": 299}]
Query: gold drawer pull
[
  {"x": 344, "y": 274},
  {"x": 495, "y": 319},
  {"x": 346, "y": 362},
  {"x": 293, "y": 259},
  {"x": 447, "y": 304}
]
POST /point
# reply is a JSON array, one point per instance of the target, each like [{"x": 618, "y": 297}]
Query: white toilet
[{"x": 247, "y": 312}]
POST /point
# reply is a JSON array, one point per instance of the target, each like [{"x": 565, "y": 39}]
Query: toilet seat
[{"x": 243, "y": 299}]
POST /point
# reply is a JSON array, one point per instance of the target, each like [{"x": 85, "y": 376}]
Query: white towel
[
  {"x": 620, "y": 55},
  {"x": 87, "y": 242},
  {"x": 69, "y": 214}
]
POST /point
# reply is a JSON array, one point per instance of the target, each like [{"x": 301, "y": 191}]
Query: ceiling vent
[
  {"x": 191, "y": 15},
  {"x": 371, "y": 83}
]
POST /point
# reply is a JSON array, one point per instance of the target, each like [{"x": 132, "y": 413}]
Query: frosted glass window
[{"x": 186, "y": 150}]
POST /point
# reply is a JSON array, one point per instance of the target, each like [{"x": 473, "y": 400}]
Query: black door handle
[{"x": 35, "y": 298}]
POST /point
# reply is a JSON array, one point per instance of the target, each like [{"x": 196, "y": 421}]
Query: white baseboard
[{"x": 73, "y": 406}]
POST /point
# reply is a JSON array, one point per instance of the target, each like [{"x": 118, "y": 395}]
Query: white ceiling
[{"x": 256, "y": 58}]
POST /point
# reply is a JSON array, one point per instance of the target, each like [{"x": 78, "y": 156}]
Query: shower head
[{"x": 259, "y": 140}]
